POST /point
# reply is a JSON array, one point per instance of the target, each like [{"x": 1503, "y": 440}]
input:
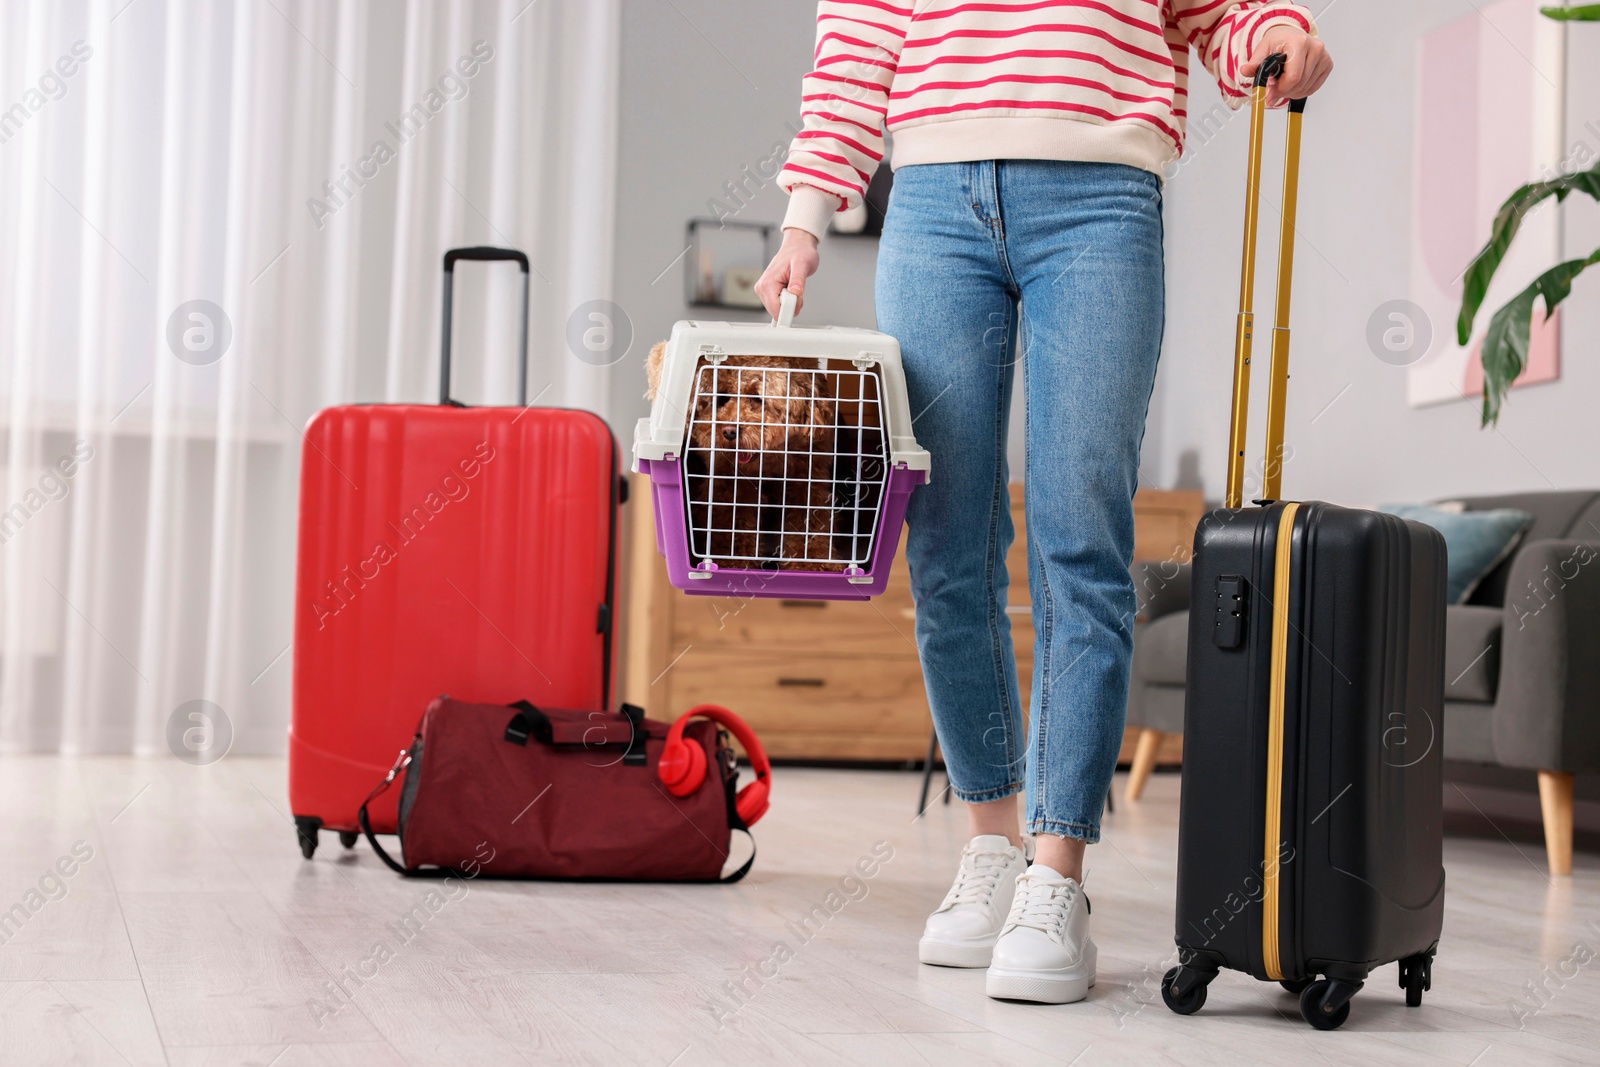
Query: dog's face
[{"x": 748, "y": 417}]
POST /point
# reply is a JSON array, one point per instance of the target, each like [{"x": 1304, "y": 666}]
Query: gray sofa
[{"x": 1522, "y": 658}]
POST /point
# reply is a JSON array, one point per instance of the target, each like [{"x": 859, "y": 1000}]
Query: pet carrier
[{"x": 780, "y": 458}]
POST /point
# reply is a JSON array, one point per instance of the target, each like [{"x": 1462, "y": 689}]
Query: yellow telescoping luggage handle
[{"x": 1272, "y": 469}]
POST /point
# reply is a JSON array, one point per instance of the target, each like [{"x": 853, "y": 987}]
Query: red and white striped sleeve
[
  {"x": 844, "y": 103},
  {"x": 1225, "y": 33}
]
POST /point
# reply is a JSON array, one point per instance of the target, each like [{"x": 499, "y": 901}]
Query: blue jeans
[{"x": 1066, "y": 257}]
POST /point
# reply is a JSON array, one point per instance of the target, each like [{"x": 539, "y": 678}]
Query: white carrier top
[{"x": 661, "y": 433}]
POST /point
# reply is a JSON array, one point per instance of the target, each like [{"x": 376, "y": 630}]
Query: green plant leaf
[
  {"x": 1581, "y": 13},
  {"x": 1505, "y": 346},
  {"x": 1475, "y": 282}
]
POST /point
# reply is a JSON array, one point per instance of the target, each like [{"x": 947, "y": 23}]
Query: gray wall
[{"x": 712, "y": 89}]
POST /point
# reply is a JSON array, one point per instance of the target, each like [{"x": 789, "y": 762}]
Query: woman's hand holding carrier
[{"x": 796, "y": 261}]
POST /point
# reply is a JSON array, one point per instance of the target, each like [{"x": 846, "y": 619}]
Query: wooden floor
[{"x": 194, "y": 934}]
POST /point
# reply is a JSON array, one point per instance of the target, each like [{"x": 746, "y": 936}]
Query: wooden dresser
[{"x": 818, "y": 680}]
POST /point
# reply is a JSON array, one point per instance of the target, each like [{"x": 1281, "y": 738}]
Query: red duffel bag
[{"x": 525, "y": 792}]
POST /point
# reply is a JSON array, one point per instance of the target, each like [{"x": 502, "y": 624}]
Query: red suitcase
[{"x": 444, "y": 549}]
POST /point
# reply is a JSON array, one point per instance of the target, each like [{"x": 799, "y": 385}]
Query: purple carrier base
[{"x": 672, "y": 541}]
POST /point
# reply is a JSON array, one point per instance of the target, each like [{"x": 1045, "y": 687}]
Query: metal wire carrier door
[{"x": 786, "y": 464}]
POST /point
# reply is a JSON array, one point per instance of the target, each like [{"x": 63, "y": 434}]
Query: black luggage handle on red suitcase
[
  {"x": 1278, "y": 378},
  {"x": 482, "y": 253}
]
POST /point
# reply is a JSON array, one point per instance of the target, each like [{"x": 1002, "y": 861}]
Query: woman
[{"x": 1029, "y": 141}]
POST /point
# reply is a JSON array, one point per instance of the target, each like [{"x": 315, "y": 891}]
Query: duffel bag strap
[
  {"x": 635, "y": 756},
  {"x": 729, "y": 763},
  {"x": 751, "y": 862},
  {"x": 401, "y": 763},
  {"x": 528, "y": 722},
  {"x": 628, "y": 727}
]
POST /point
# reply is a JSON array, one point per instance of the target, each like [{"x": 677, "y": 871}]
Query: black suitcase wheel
[
  {"x": 1297, "y": 986},
  {"x": 1416, "y": 977},
  {"x": 1190, "y": 1000},
  {"x": 348, "y": 838},
  {"x": 305, "y": 832},
  {"x": 1312, "y": 1007}
]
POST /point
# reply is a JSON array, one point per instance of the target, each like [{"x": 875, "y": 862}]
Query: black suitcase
[{"x": 1310, "y": 846}]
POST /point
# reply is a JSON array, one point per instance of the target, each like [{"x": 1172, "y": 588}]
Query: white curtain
[{"x": 301, "y": 166}]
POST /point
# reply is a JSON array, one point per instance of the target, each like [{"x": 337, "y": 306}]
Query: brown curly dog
[{"x": 760, "y": 463}]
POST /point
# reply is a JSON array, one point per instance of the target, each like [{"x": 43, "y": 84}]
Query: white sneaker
[
  {"x": 961, "y": 933},
  {"x": 1044, "y": 953}
]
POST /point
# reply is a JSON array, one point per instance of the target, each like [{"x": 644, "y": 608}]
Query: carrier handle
[
  {"x": 489, "y": 254},
  {"x": 786, "y": 305},
  {"x": 1278, "y": 376}
]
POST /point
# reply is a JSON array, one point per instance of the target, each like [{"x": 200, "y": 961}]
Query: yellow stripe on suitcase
[{"x": 1272, "y": 839}]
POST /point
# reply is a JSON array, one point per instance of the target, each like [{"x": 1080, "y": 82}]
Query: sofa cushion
[
  {"x": 1557, "y": 515},
  {"x": 1476, "y": 542},
  {"x": 1471, "y": 653},
  {"x": 1161, "y": 650}
]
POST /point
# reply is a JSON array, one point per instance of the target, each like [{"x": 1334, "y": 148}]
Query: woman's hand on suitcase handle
[
  {"x": 1306, "y": 64},
  {"x": 796, "y": 261}
]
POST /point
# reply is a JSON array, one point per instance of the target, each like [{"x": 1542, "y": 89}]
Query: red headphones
[{"x": 683, "y": 763}]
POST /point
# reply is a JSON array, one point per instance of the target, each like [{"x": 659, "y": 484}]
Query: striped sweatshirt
[{"x": 955, "y": 80}]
